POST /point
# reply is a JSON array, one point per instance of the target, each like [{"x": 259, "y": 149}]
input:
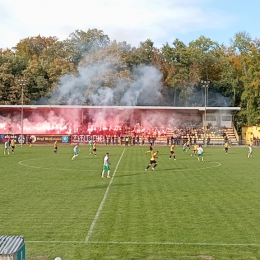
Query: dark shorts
[
  {"x": 172, "y": 152},
  {"x": 152, "y": 161},
  {"x": 94, "y": 149}
]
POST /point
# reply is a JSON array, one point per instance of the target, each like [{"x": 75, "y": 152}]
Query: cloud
[{"x": 132, "y": 21}]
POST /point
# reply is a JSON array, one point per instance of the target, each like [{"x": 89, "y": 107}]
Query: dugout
[{"x": 12, "y": 248}]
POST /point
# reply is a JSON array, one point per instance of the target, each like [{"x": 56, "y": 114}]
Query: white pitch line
[
  {"x": 102, "y": 202},
  {"x": 172, "y": 243},
  {"x": 39, "y": 167},
  {"x": 143, "y": 243}
]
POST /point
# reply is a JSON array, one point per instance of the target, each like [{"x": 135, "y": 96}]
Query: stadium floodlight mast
[
  {"x": 22, "y": 83},
  {"x": 205, "y": 85}
]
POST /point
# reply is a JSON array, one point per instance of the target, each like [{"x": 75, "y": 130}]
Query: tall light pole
[
  {"x": 205, "y": 85},
  {"x": 22, "y": 83}
]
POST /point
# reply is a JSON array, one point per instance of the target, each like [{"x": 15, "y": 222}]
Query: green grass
[{"x": 185, "y": 209}]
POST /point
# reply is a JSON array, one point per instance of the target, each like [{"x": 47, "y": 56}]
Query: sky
[{"x": 132, "y": 21}]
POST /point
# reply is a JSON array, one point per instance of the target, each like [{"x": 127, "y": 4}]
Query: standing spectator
[
  {"x": 126, "y": 141},
  {"x": 113, "y": 139}
]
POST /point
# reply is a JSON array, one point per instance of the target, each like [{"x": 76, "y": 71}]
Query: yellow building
[{"x": 250, "y": 133}]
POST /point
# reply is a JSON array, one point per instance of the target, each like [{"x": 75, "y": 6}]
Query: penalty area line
[{"x": 102, "y": 202}]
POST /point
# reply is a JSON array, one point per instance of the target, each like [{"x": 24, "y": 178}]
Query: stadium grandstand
[{"x": 111, "y": 124}]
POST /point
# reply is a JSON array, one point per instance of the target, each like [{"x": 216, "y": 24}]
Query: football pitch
[{"x": 185, "y": 209}]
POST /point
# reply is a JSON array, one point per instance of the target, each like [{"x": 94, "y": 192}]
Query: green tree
[
  {"x": 80, "y": 43},
  {"x": 251, "y": 94},
  {"x": 140, "y": 56},
  {"x": 183, "y": 71},
  {"x": 34, "y": 46}
]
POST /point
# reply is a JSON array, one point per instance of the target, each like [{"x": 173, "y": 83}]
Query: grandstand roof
[{"x": 7, "y": 108}]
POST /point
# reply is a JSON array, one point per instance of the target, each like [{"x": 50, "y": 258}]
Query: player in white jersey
[
  {"x": 200, "y": 153},
  {"x": 75, "y": 151},
  {"x": 106, "y": 166},
  {"x": 7, "y": 147},
  {"x": 90, "y": 146},
  {"x": 250, "y": 150}
]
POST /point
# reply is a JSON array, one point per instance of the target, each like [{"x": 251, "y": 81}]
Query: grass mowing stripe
[{"x": 103, "y": 201}]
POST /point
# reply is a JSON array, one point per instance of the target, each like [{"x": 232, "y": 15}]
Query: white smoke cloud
[
  {"x": 103, "y": 97},
  {"x": 143, "y": 88},
  {"x": 146, "y": 89}
]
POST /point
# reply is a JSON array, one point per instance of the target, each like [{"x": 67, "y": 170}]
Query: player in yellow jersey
[
  {"x": 172, "y": 153},
  {"x": 152, "y": 161},
  {"x": 188, "y": 144},
  {"x": 95, "y": 148},
  {"x": 195, "y": 149},
  {"x": 55, "y": 146},
  {"x": 30, "y": 141},
  {"x": 12, "y": 145},
  {"x": 226, "y": 146},
  {"x": 150, "y": 149}
]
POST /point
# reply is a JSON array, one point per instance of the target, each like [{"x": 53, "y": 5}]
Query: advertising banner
[
  {"x": 45, "y": 139},
  {"x": 19, "y": 139},
  {"x": 86, "y": 138}
]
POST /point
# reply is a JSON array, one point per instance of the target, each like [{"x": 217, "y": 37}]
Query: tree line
[{"x": 232, "y": 71}]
